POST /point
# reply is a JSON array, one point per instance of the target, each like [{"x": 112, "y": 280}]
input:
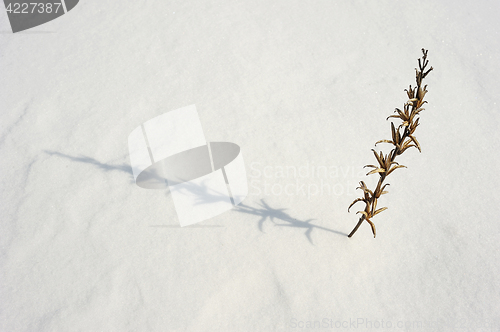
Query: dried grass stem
[{"x": 401, "y": 140}]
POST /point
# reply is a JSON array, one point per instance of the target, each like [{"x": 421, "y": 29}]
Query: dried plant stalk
[{"x": 403, "y": 138}]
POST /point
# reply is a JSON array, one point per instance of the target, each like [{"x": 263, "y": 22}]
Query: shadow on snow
[{"x": 277, "y": 216}]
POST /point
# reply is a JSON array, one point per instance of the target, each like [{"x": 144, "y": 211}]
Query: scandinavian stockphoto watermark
[
  {"x": 361, "y": 323},
  {"x": 26, "y": 14},
  {"x": 308, "y": 180},
  {"x": 204, "y": 178},
  {"x": 364, "y": 323}
]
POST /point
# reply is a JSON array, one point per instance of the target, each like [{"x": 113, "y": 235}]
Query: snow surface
[{"x": 300, "y": 86}]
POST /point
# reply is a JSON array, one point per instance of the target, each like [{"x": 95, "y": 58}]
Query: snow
[{"x": 299, "y": 86}]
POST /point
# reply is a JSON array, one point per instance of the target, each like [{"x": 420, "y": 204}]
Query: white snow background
[{"x": 298, "y": 86}]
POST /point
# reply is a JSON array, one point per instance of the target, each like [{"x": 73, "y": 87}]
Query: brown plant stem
[
  {"x": 357, "y": 226},
  {"x": 410, "y": 123}
]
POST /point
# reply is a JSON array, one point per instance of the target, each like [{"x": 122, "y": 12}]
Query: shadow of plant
[
  {"x": 277, "y": 216},
  {"x": 125, "y": 168},
  {"x": 282, "y": 219}
]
